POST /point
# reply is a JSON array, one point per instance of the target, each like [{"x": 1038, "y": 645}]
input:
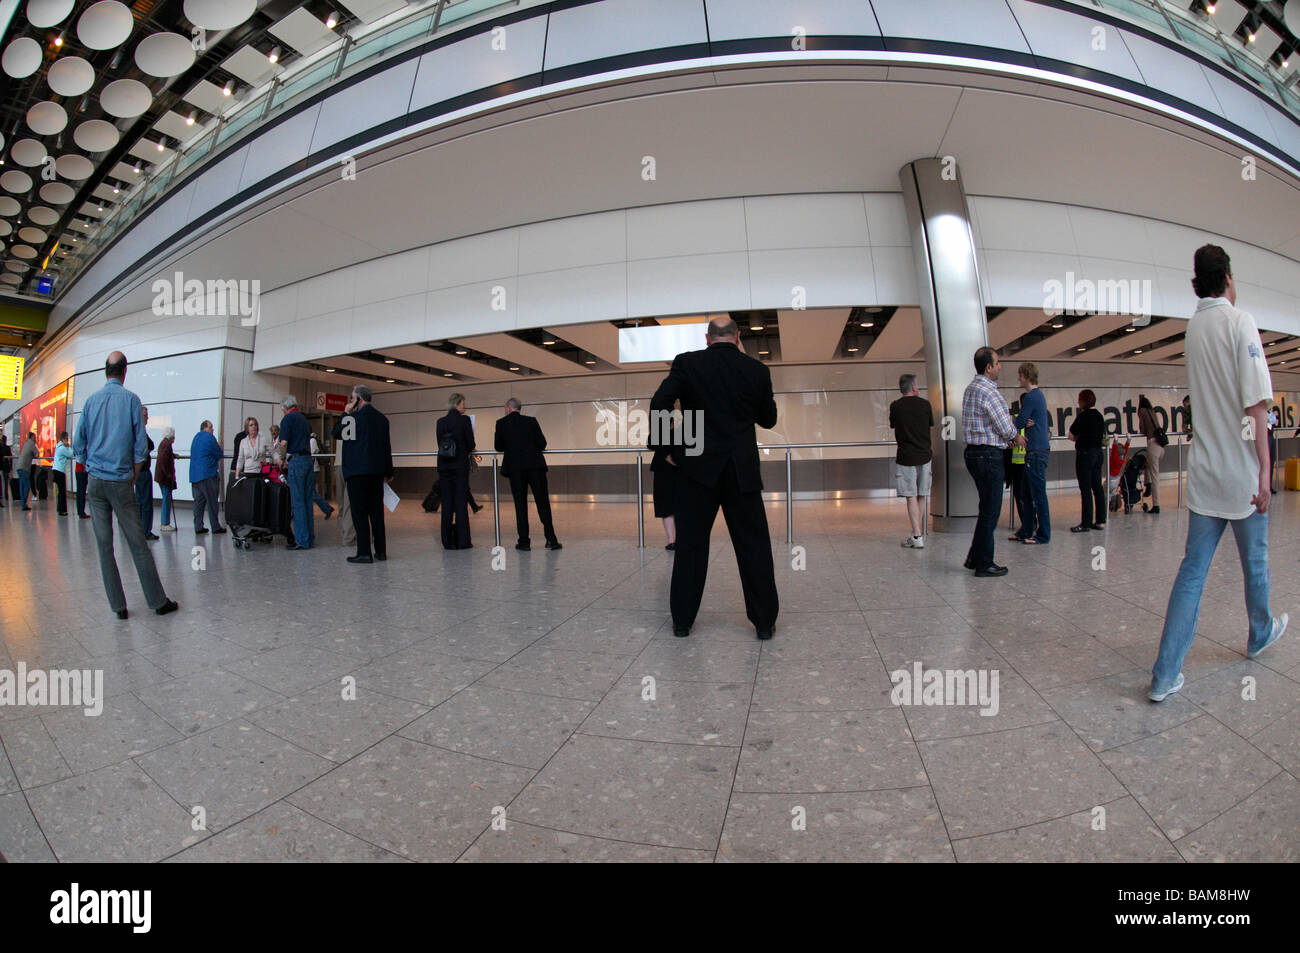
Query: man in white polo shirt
[{"x": 1228, "y": 480}]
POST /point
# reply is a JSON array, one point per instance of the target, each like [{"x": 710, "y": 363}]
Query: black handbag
[
  {"x": 447, "y": 447},
  {"x": 1162, "y": 438}
]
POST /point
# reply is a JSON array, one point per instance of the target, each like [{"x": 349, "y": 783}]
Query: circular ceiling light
[
  {"x": 28, "y": 152},
  {"x": 105, "y": 25},
  {"x": 19, "y": 266},
  {"x": 33, "y": 235},
  {"x": 16, "y": 182},
  {"x": 15, "y": 279},
  {"x": 96, "y": 135},
  {"x": 47, "y": 13},
  {"x": 22, "y": 57},
  {"x": 73, "y": 167},
  {"x": 42, "y": 215},
  {"x": 58, "y": 193},
  {"x": 125, "y": 98},
  {"x": 47, "y": 119},
  {"x": 164, "y": 54},
  {"x": 219, "y": 14},
  {"x": 70, "y": 76},
  {"x": 5, "y": 228},
  {"x": 23, "y": 251},
  {"x": 9, "y": 206}
]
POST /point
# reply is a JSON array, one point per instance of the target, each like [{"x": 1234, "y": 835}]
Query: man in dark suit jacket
[
  {"x": 453, "y": 473},
  {"x": 728, "y": 392},
  {"x": 520, "y": 441},
  {"x": 367, "y": 463}
]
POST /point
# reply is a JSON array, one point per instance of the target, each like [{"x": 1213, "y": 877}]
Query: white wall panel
[
  {"x": 573, "y": 242},
  {"x": 805, "y": 221},
  {"x": 887, "y": 219},
  {"x": 363, "y": 105},
  {"x": 473, "y": 63},
  {"x": 895, "y": 273},
  {"x": 476, "y": 258},
  {"x": 1065, "y": 35},
  {"x": 689, "y": 228},
  {"x": 978, "y": 22},
  {"x": 280, "y": 147},
  {"x": 1014, "y": 224},
  {"x": 467, "y": 309},
  {"x": 217, "y": 183},
  {"x": 1173, "y": 72},
  {"x": 1241, "y": 107},
  {"x": 689, "y": 284},
  {"x": 384, "y": 323},
  {"x": 392, "y": 276},
  {"x": 573, "y": 295},
  {"x": 829, "y": 276},
  {"x": 741, "y": 19},
  {"x": 598, "y": 30}
]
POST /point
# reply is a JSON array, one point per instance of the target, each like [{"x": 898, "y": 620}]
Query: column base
[{"x": 953, "y": 524}]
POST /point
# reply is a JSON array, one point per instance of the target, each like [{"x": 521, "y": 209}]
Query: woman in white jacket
[{"x": 254, "y": 450}]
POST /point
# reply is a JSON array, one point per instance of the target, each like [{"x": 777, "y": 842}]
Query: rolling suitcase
[
  {"x": 245, "y": 503},
  {"x": 279, "y": 509},
  {"x": 1293, "y": 473}
]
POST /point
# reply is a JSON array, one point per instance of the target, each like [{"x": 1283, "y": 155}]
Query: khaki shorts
[{"x": 914, "y": 481}]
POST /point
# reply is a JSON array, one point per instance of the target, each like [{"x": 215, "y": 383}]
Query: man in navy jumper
[{"x": 1036, "y": 522}]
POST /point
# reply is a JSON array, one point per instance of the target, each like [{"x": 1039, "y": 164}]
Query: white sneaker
[
  {"x": 1279, "y": 626},
  {"x": 914, "y": 542},
  {"x": 1156, "y": 696},
  {"x": 166, "y": 528}
]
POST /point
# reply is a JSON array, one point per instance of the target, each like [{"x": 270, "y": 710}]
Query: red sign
[
  {"x": 47, "y": 416},
  {"x": 334, "y": 403}
]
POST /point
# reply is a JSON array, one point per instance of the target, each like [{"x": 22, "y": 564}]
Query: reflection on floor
[{"x": 546, "y": 712}]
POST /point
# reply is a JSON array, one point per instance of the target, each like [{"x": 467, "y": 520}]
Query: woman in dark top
[
  {"x": 664, "y": 469},
  {"x": 1088, "y": 431},
  {"x": 455, "y": 447},
  {"x": 164, "y": 474}
]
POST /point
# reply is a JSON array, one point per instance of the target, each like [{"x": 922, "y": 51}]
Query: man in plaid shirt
[{"x": 988, "y": 427}]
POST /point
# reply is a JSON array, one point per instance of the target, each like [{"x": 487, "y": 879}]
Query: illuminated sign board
[{"x": 11, "y": 377}]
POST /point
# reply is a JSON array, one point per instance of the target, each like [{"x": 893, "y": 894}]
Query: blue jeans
[
  {"x": 144, "y": 499},
  {"x": 1036, "y": 520},
  {"x": 1203, "y": 533},
  {"x": 985, "y": 466},
  {"x": 166, "y": 504},
  {"x": 24, "y": 485},
  {"x": 302, "y": 487}
]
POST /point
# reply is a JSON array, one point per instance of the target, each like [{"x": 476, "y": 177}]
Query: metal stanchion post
[
  {"x": 496, "y": 501},
  {"x": 1180, "y": 476},
  {"x": 789, "y": 502},
  {"x": 640, "y": 506}
]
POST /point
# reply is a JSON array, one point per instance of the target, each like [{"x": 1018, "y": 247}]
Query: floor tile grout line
[
  {"x": 1271, "y": 778},
  {"x": 27, "y": 801}
]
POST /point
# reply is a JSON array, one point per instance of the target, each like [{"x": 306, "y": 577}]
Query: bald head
[
  {"x": 115, "y": 366},
  {"x": 722, "y": 329}
]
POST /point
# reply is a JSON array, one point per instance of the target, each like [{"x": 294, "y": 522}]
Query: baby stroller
[{"x": 1132, "y": 482}]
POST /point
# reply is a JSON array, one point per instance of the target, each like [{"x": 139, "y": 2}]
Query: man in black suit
[
  {"x": 729, "y": 392},
  {"x": 367, "y": 464},
  {"x": 455, "y": 444},
  {"x": 520, "y": 441}
]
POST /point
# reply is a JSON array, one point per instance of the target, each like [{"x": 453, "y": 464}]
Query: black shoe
[
  {"x": 671, "y": 547},
  {"x": 218, "y": 531},
  {"x": 466, "y": 546},
  {"x": 764, "y": 634},
  {"x": 1153, "y": 511},
  {"x": 475, "y": 507},
  {"x": 200, "y": 532},
  {"x": 524, "y": 547},
  {"x": 1081, "y": 528},
  {"x": 121, "y": 613},
  {"x": 969, "y": 563},
  {"x": 360, "y": 559},
  {"x": 681, "y": 631},
  {"x": 381, "y": 556},
  {"x": 993, "y": 570},
  {"x": 292, "y": 546},
  {"x": 27, "y": 509},
  {"x": 167, "y": 607},
  {"x": 553, "y": 544},
  {"x": 152, "y": 536},
  {"x": 329, "y": 512}
]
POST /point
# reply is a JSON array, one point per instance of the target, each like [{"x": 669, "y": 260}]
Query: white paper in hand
[{"x": 391, "y": 499}]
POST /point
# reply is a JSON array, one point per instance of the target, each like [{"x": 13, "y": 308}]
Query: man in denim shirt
[
  {"x": 1036, "y": 520},
  {"x": 295, "y": 442},
  {"x": 111, "y": 442}
]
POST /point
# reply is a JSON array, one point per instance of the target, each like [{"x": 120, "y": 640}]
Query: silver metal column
[{"x": 953, "y": 322}]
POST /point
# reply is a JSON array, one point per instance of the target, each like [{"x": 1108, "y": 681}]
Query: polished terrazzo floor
[{"x": 520, "y": 697}]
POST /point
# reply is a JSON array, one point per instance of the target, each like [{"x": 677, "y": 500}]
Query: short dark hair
[
  {"x": 1087, "y": 399},
  {"x": 1211, "y": 268},
  {"x": 906, "y": 383},
  {"x": 723, "y": 327},
  {"x": 63, "y": 435},
  {"x": 984, "y": 359},
  {"x": 115, "y": 370}
]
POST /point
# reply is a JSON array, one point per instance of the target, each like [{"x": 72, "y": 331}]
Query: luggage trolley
[{"x": 257, "y": 510}]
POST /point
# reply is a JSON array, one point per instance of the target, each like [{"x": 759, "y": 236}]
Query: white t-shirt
[{"x": 1227, "y": 372}]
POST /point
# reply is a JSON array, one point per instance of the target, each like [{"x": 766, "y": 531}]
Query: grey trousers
[
  {"x": 109, "y": 498},
  {"x": 207, "y": 495}
]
